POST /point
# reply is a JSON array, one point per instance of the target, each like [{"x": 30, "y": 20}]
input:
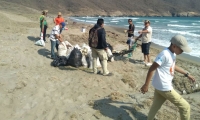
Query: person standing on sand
[
  {"x": 164, "y": 67},
  {"x": 43, "y": 25},
  {"x": 146, "y": 35},
  {"x": 130, "y": 33},
  {"x": 59, "y": 19},
  {"x": 55, "y": 38},
  {"x": 100, "y": 50}
]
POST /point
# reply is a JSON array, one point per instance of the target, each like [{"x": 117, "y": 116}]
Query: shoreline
[{"x": 183, "y": 56}]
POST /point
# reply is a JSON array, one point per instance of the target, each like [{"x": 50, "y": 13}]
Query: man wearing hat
[
  {"x": 59, "y": 19},
  {"x": 55, "y": 39},
  {"x": 164, "y": 67},
  {"x": 43, "y": 25},
  {"x": 146, "y": 35}
]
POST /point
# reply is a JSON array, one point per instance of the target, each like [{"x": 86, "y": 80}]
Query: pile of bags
[{"x": 77, "y": 56}]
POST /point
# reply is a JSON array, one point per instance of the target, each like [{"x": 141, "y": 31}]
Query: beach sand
[{"x": 31, "y": 89}]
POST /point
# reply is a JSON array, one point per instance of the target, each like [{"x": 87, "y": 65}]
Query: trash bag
[
  {"x": 110, "y": 55},
  {"x": 59, "y": 61},
  {"x": 75, "y": 58},
  {"x": 69, "y": 52},
  {"x": 110, "y": 47},
  {"x": 84, "y": 61},
  {"x": 89, "y": 60},
  {"x": 40, "y": 43},
  {"x": 62, "y": 49}
]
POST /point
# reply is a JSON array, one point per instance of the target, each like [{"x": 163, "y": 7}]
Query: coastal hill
[{"x": 116, "y": 7}]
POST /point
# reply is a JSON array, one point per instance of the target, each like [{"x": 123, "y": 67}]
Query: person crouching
[{"x": 55, "y": 38}]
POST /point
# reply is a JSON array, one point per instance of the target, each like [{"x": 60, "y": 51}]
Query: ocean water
[{"x": 164, "y": 28}]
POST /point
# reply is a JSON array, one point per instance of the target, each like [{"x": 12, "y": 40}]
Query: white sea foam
[
  {"x": 114, "y": 21},
  {"x": 173, "y": 21},
  {"x": 88, "y": 21},
  {"x": 139, "y": 22},
  {"x": 195, "y": 24},
  {"x": 172, "y": 25},
  {"x": 183, "y": 33},
  {"x": 156, "y": 21}
]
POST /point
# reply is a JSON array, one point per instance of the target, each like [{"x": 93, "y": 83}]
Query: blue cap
[{"x": 63, "y": 24}]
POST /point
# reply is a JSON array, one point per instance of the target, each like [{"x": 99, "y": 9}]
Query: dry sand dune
[{"x": 31, "y": 89}]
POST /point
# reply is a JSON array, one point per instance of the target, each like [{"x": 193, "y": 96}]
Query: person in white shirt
[
  {"x": 164, "y": 67},
  {"x": 55, "y": 38},
  {"x": 146, "y": 35}
]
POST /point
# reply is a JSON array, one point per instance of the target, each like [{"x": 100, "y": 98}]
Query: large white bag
[
  {"x": 40, "y": 43},
  {"x": 62, "y": 49},
  {"x": 109, "y": 53},
  {"x": 84, "y": 62}
]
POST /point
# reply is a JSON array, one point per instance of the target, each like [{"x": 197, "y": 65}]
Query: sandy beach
[{"x": 31, "y": 89}]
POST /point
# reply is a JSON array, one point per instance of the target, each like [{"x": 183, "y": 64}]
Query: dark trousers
[
  {"x": 54, "y": 44},
  {"x": 44, "y": 34}
]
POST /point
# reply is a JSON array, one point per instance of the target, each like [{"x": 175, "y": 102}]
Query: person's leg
[
  {"x": 148, "y": 48},
  {"x": 53, "y": 44},
  {"x": 157, "y": 103},
  {"x": 181, "y": 103},
  {"x": 94, "y": 55},
  {"x": 103, "y": 58},
  {"x": 145, "y": 58},
  {"x": 144, "y": 51},
  {"x": 44, "y": 34},
  {"x": 57, "y": 44}
]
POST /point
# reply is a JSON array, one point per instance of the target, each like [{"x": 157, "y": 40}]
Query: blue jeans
[{"x": 54, "y": 44}]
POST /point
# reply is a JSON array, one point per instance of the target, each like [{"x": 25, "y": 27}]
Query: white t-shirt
[
  {"x": 164, "y": 74},
  {"x": 55, "y": 30},
  {"x": 146, "y": 37}
]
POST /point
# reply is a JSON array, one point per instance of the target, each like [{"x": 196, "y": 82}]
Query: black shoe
[{"x": 99, "y": 72}]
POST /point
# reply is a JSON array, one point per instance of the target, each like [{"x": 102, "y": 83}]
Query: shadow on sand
[
  {"x": 32, "y": 38},
  {"x": 108, "y": 109},
  {"x": 44, "y": 52}
]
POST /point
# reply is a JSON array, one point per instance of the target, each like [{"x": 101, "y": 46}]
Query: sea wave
[
  {"x": 114, "y": 21},
  {"x": 178, "y": 25},
  {"x": 173, "y": 21},
  {"x": 88, "y": 21},
  {"x": 183, "y": 33}
]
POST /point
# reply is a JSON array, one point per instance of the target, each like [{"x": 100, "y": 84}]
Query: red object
[
  {"x": 66, "y": 28},
  {"x": 59, "y": 20}
]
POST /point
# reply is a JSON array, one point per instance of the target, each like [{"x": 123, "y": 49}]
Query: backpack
[{"x": 93, "y": 37}]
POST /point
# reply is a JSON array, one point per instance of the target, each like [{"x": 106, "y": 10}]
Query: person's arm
[
  {"x": 54, "y": 20},
  {"x": 138, "y": 37},
  {"x": 43, "y": 26},
  {"x": 59, "y": 37},
  {"x": 150, "y": 73},
  {"x": 180, "y": 70},
  {"x": 143, "y": 31}
]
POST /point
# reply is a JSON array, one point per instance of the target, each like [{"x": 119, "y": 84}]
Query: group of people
[
  {"x": 162, "y": 70},
  {"x": 145, "y": 35},
  {"x": 163, "y": 66},
  {"x": 55, "y": 36}
]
